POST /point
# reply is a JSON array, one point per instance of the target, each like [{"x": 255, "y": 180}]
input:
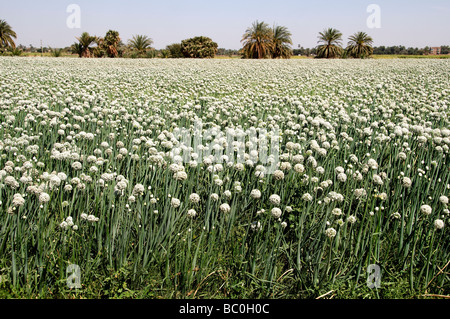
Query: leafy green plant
[
  {"x": 16, "y": 52},
  {"x": 199, "y": 47},
  {"x": 175, "y": 50},
  {"x": 56, "y": 52}
]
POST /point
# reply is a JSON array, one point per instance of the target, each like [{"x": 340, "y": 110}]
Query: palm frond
[
  {"x": 6, "y": 35},
  {"x": 360, "y": 45},
  {"x": 331, "y": 41},
  {"x": 257, "y": 41},
  {"x": 140, "y": 43}
]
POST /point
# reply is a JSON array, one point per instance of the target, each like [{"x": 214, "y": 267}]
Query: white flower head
[
  {"x": 396, "y": 215},
  {"x": 175, "y": 202},
  {"x": 307, "y": 197},
  {"x": 330, "y": 232},
  {"x": 406, "y": 182},
  {"x": 439, "y": 224},
  {"x": 92, "y": 218},
  {"x": 276, "y": 212},
  {"x": 194, "y": 198},
  {"x": 191, "y": 213},
  {"x": 443, "y": 199},
  {"x": 44, "y": 198},
  {"x": 402, "y": 156},
  {"x": 278, "y": 175},
  {"x": 336, "y": 211},
  {"x": 225, "y": 208},
  {"x": 18, "y": 200},
  {"x": 69, "y": 221},
  {"x": 360, "y": 193},
  {"x": 342, "y": 177},
  {"x": 372, "y": 163},
  {"x": 351, "y": 219},
  {"x": 138, "y": 189},
  {"x": 275, "y": 199},
  {"x": 77, "y": 165},
  {"x": 255, "y": 194},
  {"x": 180, "y": 175},
  {"x": 426, "y": 209},
  {"x": 299, "y": 168}
]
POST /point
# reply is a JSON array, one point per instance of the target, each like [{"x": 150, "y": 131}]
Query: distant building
[{"x": 435, "y": 50}]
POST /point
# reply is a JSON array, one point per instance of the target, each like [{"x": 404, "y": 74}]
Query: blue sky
[{"x": 410, "y": 23}]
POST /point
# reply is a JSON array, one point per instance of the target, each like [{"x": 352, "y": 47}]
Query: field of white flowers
[{"x": 94, "y": 172}]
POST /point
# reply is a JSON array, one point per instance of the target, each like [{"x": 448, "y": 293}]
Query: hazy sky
[{"x": 403, "y": 22}]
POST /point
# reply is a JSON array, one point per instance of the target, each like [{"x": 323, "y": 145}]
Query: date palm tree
[
  {"x": 85, "y": 41},
  {"x": 331, "y": 40},
  {"x": 100, "y": 50},
  {"x": 77, "y": 48},
  {"x": 111, "y": 42},
  {"x": 6, "y": 35},
  {"x": 360, "y": 45},
  {"x": 140, "y": 43},
  {"x": 281, "y": 42},
  {"x": 257, "y": 41}
]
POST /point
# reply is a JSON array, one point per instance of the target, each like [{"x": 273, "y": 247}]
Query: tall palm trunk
[{"x": 86, "y": 53}]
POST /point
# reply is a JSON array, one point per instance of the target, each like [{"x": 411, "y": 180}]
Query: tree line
[
  {"x": 400, "y": 49},
  {"x": 139, "y": 46},
  {"x": 259, "y": 41},
  {"x": 382, "y": 50}
]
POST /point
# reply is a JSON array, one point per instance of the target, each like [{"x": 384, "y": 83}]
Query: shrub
[
  {"x": 175, "y": 50},
  {"x": 56, "y": 53},
  {"x": 16, "y": 52},
  {"x": 199, "y": 47}
]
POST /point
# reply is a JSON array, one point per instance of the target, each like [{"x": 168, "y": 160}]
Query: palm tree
[
  {"x": 257, "y": 41},
  {"x": 331, "y": 40},
  {"x": 77, "y": 48},
  {"x": 281, "y": 43},
  {"x": 56, "y": 52},
  {"x": 85, "y": 41},
  {"x": 111, "y": 42},
  {"x": 100, "y": 50},
  {"x": 6, "y": 35},
  {"x": 360, "y": 45},
  {"x": 140, "y": 43}
]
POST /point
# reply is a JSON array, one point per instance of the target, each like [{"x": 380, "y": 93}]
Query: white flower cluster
[
  {"x": 68, "y": 223},
  {"x": 89, "y": 218}
]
